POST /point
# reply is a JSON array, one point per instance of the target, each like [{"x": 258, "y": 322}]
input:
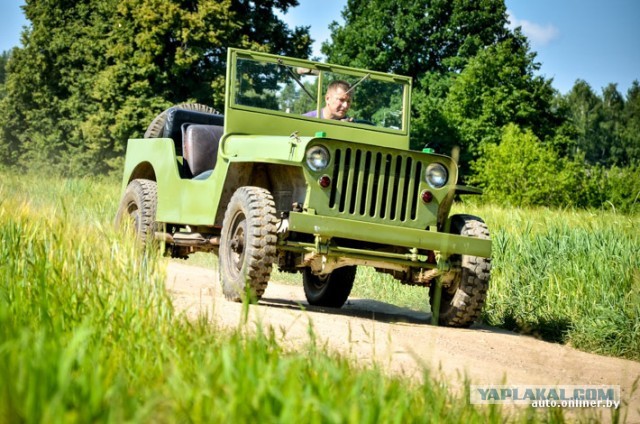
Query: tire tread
[
  {"x": 261, "y": 251},
  {"x": 465, "y": 305}
]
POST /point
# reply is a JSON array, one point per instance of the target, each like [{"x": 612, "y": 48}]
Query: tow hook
[
  {"x": 443, "y": 264},
  {"x": 322, "y": 246}
]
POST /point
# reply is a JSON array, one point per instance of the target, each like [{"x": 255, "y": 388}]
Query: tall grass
[
  {"x": 88, "y": 334},
  {"x": 567, "y": 276}
]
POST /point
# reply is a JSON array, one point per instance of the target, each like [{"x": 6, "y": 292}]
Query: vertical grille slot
[
  {"x": 355, "y": 176},
  {"x": 375, "y": 185},
  {"x": 395, "y": 187},
  {"x": 382, "y": 208},
  {"x": 344, "y": 176},
  {"x": 404, "y": 188},
  {"x": 336, "y": 172},
  {"x": 417, "y": 177},
  {"x": 365, "y": 184}
]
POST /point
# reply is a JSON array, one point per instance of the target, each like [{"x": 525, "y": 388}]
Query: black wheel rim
[
  {"x": 318, "y": 282},
  {"x": 237, "y": 244},
  {"x": 134, "y": 217}
]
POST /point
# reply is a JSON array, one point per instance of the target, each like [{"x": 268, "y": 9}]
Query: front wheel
[
  {"x": 330, "y": 290},
  {"x": 464, "y": 287},
  {"x": 247, "y": 244}
]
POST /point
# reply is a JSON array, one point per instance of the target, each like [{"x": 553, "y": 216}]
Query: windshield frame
[{"x": 321, "y": 69}]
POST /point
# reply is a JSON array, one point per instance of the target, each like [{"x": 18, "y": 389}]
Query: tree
[
  {"x": 472, "y": 75},
  {"x": 631, "y": 119},
  {"x": 93, "y": 73},
  {"x": 585, "y": 115},
  {"x": 498, "y": 87},
  {"x": 4, "y": 58},
  {"x": 415, "y": 37},
  {"x": 606, "y": 126},
  {"x": 611, "y": 146}
]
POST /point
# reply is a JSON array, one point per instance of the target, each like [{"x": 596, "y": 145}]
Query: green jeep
[{"x": 267, "y": 184}]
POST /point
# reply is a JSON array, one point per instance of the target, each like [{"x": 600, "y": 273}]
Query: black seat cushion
[
  {"x": 200, "y": 148},
  {"x": 176, "y": 117}
]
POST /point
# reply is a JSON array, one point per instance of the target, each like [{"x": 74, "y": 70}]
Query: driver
[{"x": 337, "y": 102}]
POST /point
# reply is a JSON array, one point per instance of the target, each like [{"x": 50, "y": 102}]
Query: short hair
[{"x": 339, "y": 84}]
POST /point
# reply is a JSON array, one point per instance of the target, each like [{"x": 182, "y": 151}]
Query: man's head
[{"x": 338, "y": 100}]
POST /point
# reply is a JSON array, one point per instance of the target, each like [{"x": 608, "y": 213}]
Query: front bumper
[{"x": 445, "y": 244}]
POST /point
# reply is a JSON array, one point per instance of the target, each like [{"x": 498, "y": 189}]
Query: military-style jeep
[{"x": 266, "y": 183}]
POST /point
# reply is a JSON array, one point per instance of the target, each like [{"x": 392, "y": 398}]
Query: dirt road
[{"x": 403, "y": 342}]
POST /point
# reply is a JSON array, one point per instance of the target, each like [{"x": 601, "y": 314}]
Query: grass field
[
  {"x": 88, "y": 334},
  {"x": 567, "y": 276}
]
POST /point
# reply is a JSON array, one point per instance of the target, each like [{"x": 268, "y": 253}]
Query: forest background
[{"x": 90, "y": 74}]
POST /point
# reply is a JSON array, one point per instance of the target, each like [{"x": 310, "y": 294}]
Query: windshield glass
[{"x": 292, "y": 90}]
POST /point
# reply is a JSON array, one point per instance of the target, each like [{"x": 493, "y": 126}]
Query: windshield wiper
[
  {"x": 295, "y": 78},
  {"x": 358, "y": 83}
]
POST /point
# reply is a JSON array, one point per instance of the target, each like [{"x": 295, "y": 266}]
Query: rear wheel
[
  {"x": 464, "y": 288},
  {"x": 138, "y": 209},
  {"x": 247, "y": 244},
  {"x": 330, "y": 290}
]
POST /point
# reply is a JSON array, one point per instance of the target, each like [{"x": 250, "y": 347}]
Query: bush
[
  {"x": 623, "y": 188},
  {"x": 617, "y": 189},
  {"x": 521, "y": 171}
]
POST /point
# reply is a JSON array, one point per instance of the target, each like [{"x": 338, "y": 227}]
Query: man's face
[{"x": 338, "y": 103}]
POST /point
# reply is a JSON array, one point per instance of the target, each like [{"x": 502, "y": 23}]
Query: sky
[{"x": 594, "y": 40}]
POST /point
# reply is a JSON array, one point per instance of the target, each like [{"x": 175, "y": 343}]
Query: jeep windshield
[{"x": 298, "y": 89}]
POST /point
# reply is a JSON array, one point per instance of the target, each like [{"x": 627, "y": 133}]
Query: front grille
[{"x": 375, "y": 184}]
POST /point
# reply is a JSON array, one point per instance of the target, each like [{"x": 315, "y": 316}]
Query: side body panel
[{"x": 179, "y": 200}]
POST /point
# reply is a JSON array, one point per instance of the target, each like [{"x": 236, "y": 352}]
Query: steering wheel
[{"x": 363, "y": 121}]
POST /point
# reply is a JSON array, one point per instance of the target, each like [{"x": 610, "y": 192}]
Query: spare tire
[{"x": 156, "y": 127}]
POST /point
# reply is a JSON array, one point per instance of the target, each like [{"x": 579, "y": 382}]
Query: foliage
[
  {"x": 631, "y": 130},
  {"x": 4, "y": 58},
  {"x": 622, "y": 189},
  {"x": 296, "y": 100},
  {"x": 92, "y": 73},
  {"x": 584, "y": 107},
  {"x": 414, "y": 37},
  {"x": 521, "y": 171},
  {"x": 606, "y": 126},
  {"x": 499, "y": 87}
]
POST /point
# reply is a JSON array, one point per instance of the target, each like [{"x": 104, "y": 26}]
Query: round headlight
[
  {"x": 317, "y": 158},
  {"x": 436, "y": 175}
]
